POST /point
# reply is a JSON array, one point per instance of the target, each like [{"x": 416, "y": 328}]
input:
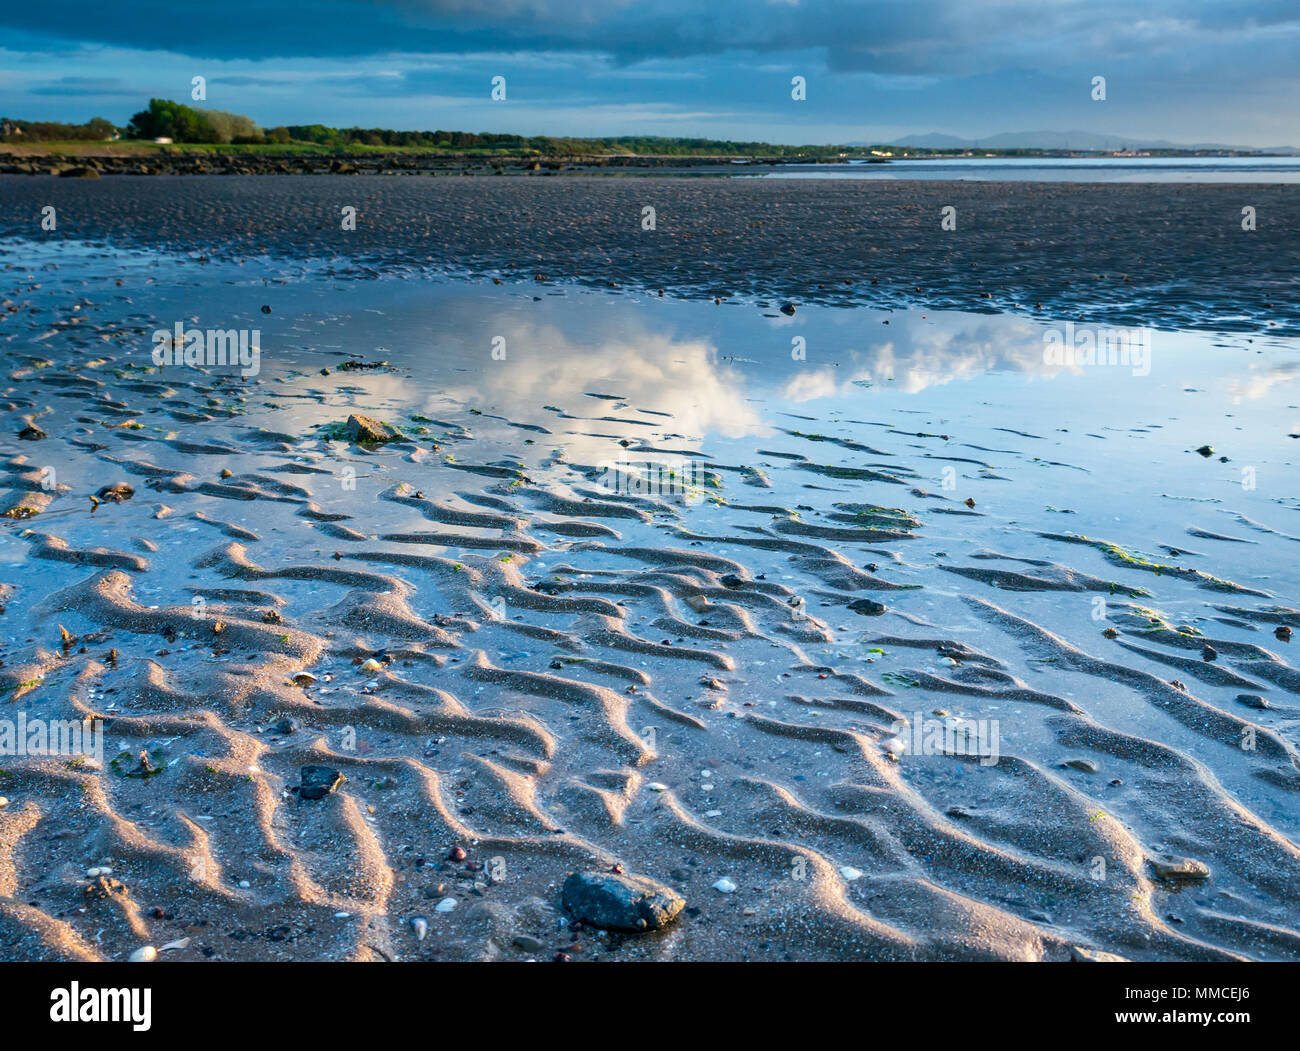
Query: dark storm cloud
[
  {"x": 918, "y": 36},
  {"x": 1187, "y": 70}
]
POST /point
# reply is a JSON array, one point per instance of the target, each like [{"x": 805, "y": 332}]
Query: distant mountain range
[{"x": 1067, "y": 140}]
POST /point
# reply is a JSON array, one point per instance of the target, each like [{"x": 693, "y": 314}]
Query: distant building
[{"x": 8, "y": 127}]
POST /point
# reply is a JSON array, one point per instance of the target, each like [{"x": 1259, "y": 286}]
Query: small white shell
[
  {"x": 725, "y": 886},
  {"x": 371, "y": 665},
  {"x": 144, "y": 954},
  {"x": 446, "y": 905},
  {"x": 850, "y": 873},
  {"x": 421, "y": 927}
]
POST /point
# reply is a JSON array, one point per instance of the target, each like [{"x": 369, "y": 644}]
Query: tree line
[{"x": 165, "y": 119}]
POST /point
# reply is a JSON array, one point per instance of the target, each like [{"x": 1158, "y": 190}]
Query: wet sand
[
  {"x": 1146, "y": 254},
  {"x": 523, "y": 671}
]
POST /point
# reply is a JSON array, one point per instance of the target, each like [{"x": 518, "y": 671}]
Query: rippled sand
[{"x": 694, "y": 685}]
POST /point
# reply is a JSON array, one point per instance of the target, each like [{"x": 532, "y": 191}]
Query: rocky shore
[{"x": 178, "y": 162}]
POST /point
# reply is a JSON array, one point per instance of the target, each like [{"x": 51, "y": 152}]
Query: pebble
[
  {"x": 528, "y": 943},
  {"x": 1086, "y": 765},
  {"x": 868, "y": 607},
  {"x": 144, "y": 954},
  {"x": 655, "y": 786},
  {"x": 319, "y": 781},
  {"x": 619, "y": 902},
  {"x": 371, "y": 665},
  {"x": 421, "y": 927},
  {"x": 1173, "y": 867},
  {"x": 1252, "y": 700},
  {"x": 850, "y": 873},
  {"x": 725, "y": 886},
  {"x": 446, "y": 905},
  {"x": 99, "y": 870}
]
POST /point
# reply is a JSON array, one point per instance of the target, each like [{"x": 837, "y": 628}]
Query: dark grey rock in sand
[
  {"x": 368, "y": 429},
  {"x": 319, "y": 781},
  {"x": 1173, "y": 867},
  {"x": 868, "y": 607},
  {"x": 620, "y": 903},
  {"x": 1253, "y": 700},
  {"x": 117, "y": 492},
  {"x": 528, "y": 943}
]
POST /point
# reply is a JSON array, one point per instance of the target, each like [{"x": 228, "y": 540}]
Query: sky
[{"x": 1223, "y": 71}]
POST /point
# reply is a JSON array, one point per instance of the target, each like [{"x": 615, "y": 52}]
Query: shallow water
[
  {"x": 1061, "y": 169},
  {"x": 507, "y": 568}
]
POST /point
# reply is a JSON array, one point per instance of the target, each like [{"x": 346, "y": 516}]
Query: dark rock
[
  {"x": 1172, "y": 867},
  {"x": 787, "y": 309},
  {"x": 319, "y": 781},
  {"x": 1282, "y": 632},
  {"x": 31, "y": 433},
  {"x": 117, "y": 492},
  {"x": 79, "y": 173},
  {"x": 730, "y": 580},
  {"x": 1252, "y": 700},
  {"x": 620, "y": 902},
  {"x": 868, "y": 607},
  {"x": 369, "y": 430},
  {"x": 528, "y": 943},
  {"x": 1206, "y": 450}
]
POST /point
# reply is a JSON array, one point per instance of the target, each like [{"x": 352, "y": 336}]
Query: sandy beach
[{"x": 864, "y": 629}]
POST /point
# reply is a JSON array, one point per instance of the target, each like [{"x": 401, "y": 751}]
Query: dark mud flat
[
  {"x": 391, "y": 698},
  {"x": 1135, "y": 255}
]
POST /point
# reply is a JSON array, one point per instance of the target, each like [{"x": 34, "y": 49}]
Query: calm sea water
[{"x": 1059, "y": 169}]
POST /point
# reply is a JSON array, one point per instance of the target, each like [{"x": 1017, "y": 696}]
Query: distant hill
[{"x": 1067, "y": 140}]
